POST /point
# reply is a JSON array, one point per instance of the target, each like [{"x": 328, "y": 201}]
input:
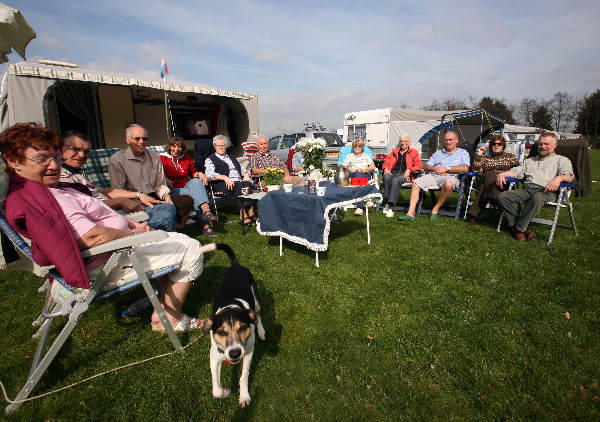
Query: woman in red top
[
  {"x": 398, "y": 168},
  {"x": 186, "y": 180}
]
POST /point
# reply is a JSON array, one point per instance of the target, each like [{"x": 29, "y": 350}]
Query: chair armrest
[
  {"x": 125, "y": 242},
  {"x": 568, "y": 185}
]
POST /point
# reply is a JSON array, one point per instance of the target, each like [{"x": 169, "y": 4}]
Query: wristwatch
[{"x": 137, "y": 195}]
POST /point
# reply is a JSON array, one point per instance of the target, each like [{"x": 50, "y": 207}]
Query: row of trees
[{"x": 562, "y": 112}]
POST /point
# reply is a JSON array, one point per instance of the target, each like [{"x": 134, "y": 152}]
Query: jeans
[
  {"x": 162, "y": 217},
  {"x": 194, "y": 188}
]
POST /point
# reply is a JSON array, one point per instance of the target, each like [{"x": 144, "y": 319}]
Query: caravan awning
[{"x": 85, "y": 75}]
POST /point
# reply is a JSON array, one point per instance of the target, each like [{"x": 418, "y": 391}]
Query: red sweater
[
  {"x": 413, "y": 161},
  {"x": 32, "y": 210},
  {"x": 178, "y": 170}
]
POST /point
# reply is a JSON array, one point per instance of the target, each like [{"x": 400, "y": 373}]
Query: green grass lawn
[{"x": 432, "y": 321}]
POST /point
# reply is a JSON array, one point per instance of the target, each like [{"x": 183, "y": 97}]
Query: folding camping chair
[
  {"x": 74, "y": 306},
  {"x": 451, "y": 210},
  {"x": 563, "y": 200},
  {"x": 472, "y": 188}
]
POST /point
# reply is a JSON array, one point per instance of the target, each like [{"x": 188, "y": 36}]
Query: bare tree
[
  {"x": 526, "y": 109},
  {"x": 562, "y": 108},
  {"x": 449, "y": 103},
  {"x": 434, "y": 106}
]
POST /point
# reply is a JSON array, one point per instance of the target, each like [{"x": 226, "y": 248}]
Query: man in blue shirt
[
  {"x": 442, "y": 168},
  {"x": 347, "y": 149}
]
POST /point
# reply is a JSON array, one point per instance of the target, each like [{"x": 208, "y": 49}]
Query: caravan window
[{"x": 357, "y": 132}]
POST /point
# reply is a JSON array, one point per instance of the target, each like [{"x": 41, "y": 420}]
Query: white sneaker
[
  {"x": 386, "y": 208},
  {"x": 370, "y": 204},
  {"x": 358, "y": 211},
  {"x": 389, "y": 213}
]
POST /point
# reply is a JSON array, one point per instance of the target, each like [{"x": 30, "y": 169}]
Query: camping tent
[{"x": 102, "y": 104}]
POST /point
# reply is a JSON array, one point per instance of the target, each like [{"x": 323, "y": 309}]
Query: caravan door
[{"x": 116, "y": 108}]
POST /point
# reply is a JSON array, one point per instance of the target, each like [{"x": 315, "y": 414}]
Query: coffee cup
[
  {"x": 288, "y": 187},
  {"x": 321, "y": 191},
  {"x": 245, "y": 191}
]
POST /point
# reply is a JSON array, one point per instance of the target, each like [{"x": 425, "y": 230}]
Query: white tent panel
[{"x": 414, "y": 130}]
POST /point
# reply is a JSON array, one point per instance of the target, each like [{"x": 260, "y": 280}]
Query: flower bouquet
[
  {"x": 313, "y": 154},
  {"x": 273, "y": 178}
]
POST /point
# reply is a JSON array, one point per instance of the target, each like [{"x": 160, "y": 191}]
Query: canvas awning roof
[{"x": 105, "y": 77}]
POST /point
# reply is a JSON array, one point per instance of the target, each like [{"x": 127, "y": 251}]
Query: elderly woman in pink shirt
[{"x": 60, "y": 218}]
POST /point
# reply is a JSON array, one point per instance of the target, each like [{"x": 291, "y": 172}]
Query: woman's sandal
[
  {"x": 186, "y": 323},
  {"x": 208, "y": 216},
  {"x": 208, "y": 232}
]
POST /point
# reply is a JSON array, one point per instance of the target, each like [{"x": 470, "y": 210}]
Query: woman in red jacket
[
  {"x": 186, "y": 180},
  {"x": 398, "y": 168}
]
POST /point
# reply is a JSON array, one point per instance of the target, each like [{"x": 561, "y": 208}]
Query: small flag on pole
[{"x": 164, "y": 70}]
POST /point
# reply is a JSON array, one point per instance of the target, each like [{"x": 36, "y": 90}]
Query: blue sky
[{"x": 313, "y": 62}]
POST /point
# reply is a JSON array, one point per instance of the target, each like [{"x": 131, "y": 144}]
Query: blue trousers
[
  {"x": 194, "y": 188},
  {"x": 162, "y": 217}
]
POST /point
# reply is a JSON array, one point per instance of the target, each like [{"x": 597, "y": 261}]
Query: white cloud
[
  {"x": 266, "y": 56},
  {"x": 50, "y": 42},
  {"x": 422, "y": 33}
]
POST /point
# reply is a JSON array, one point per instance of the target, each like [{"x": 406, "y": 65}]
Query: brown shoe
[
  {"x": 530, "y": 234},
  {"x": 519, "y": 236},
  {"x": 471, "y": 221}
]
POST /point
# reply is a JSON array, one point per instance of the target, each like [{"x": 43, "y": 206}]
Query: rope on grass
[{"x": 94, "y": 376}]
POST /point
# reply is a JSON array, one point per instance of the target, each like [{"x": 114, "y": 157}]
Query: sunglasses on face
[
  {"x": 138, "y": 138},
  {"x": 497, "y": 144}
]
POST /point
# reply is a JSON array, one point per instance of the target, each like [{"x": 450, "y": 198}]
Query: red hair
[{"x": 17, "y": 138}]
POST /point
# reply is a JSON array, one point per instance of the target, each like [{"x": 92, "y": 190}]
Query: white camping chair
[{"x": 78, "y": 302}]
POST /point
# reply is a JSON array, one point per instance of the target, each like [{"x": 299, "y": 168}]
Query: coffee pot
[{"x": 342, "y": 176}]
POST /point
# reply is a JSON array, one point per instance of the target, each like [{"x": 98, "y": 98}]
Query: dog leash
[{"x": 95, "y": 376}]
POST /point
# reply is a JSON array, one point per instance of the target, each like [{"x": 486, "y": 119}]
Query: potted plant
[{"x": 273, "y": 178}]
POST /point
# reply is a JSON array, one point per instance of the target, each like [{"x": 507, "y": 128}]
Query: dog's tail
[{"x": 223, "y": 247}]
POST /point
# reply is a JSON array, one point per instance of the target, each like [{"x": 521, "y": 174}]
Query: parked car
[{"x": 281, "y": 145}]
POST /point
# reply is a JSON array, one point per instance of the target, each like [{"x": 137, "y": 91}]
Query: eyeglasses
[
  {"x": 44, "y": 160},
  {"x": 497, "y": 144},
  {"x": 138, "y": 138},
  {"x": 77, "y": 150}
]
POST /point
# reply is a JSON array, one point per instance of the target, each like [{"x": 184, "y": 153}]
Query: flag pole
[
  {"x": 164, "y": 70},
  {"x": 166, "y": 105}
]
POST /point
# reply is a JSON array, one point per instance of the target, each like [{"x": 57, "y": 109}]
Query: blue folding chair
[{"x": 78, "y": 301}]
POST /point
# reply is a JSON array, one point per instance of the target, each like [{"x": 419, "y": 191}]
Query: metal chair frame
[
  {"x": 455, "y": 209},
  {"x": 78, "y": 304},
  {"x": 563, "y": 200}
]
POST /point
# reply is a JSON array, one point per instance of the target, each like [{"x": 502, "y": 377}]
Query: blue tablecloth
[{"x": 303, "y": 218}]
